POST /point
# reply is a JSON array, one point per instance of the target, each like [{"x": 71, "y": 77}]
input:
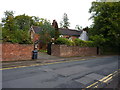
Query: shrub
[
  {"x": 76, "y": 42},
  {"x": 65, "y": 41},
  {"x": 70, "y": 43},
  {"x": 61, "y": 40},
  {"x": 79, "y": 42},
  {"x": 16, "y": 36},
  {"x": 42, "y": 50},
  {"x": 90, "y": 43}
]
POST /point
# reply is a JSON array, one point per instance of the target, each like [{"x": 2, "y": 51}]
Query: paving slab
[
  {"x": 71, "y": 70},
  {"x": 95, "y": 76}
]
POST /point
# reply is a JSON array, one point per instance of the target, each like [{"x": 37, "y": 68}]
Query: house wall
[
  {"x": 36, "y": 37},
  {"x": 67, "y": 36},
  {"x": 13, "y": 52},
  {"x": 68, "y": 51},
  {"x": 73, "y": 37}
]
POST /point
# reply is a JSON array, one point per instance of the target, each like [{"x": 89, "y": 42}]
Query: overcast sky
[{"x": 77, "y": 10}]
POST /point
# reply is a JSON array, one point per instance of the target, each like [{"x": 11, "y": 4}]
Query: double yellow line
[
  {"x": 41, "y": 64},
  {"x": 104, "y": 80}
]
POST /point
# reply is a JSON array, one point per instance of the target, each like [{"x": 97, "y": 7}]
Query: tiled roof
[
  {"x": 37, "y": 29},
  {"x": 70, "y": 32}
]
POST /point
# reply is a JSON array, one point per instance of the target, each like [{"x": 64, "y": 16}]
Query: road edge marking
[
  {"x": 105, "y": 79},
  {"x": 42, "y": 64}
]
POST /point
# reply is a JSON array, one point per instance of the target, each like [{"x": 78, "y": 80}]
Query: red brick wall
[
  {"x": 36, "y": 37},
  {"x": 67, "y": 36},
  {"x": 13, "y": 52},
  {"x": 73, "y": 37},
  {"x": 67, "y": 51}
]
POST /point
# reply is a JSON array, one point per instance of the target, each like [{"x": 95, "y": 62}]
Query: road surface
[{"x": 74, "y": 74}]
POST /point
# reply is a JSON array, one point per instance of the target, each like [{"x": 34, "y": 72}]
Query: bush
[
  {"x": 65, "y": 41},
  {"x": 70, "y": 43},
  {"x": 61, "y": 40},
  {"x": 42, "y": 50},
  {"x": 79, "y": 42},
  {"x": 76, "y": 42},
  {"x": 16, "y": 36},
  {"x": 90, "y": 43}
]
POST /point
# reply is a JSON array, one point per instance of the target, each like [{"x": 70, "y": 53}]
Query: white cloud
[{"x": 77, "y": 10}]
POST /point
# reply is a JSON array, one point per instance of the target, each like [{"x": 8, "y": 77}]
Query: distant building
[
  {"x": 69, "y": 33},
  {"x": 66, "y": 33}
]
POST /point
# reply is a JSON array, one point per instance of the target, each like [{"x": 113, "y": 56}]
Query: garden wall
[
  {"x": 68, "y": 51},
  {"x": 13, "y": 52}
]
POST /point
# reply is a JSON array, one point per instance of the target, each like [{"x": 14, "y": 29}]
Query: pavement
[
  {"x": 84, "y": 72},
  {"x": 43, "y": 58}
]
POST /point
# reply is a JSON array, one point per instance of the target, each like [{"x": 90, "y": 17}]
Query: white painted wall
[{"x": 84, "y": 36}]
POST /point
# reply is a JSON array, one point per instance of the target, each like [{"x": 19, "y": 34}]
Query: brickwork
[
  {"x": 68, "y": 51},
  {"x": 13, "y": 52},
  {"x": 72, "y": 37},
  {"x": 36, "y": 37}
]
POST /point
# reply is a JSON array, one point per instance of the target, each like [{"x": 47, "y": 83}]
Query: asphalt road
[{"x": 75, "y": 74}]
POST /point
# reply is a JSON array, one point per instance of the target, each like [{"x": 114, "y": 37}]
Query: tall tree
[
  {"x": 65, "y": 23},
  {"x": 106, "y": 19},
  {"x": 36, "y": 20},
  {"x": 24, "y": 22},
  {"x": 8, "y": 21},
  {"x": 47, "y": 33}
]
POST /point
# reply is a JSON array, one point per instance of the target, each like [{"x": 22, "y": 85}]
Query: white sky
[{"x": 77, "y": 10}]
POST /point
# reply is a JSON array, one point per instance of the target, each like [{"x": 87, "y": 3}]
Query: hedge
[{"x": 76, "y": 42}]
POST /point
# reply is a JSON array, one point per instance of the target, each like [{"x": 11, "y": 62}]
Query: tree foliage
[
  {"x": 106, "y": 19},
  {"x": 76, "y": 42},
  {"x": 78, "y": 27},
  {"x": 15, "y": 29},
  {"x": 47, "y": 33},
  {"x": 23, "y": 22},
  {"x": 8, "y": 21},
  {"x": 16, "y": 36},
  {"x": 65, "y": 23}
]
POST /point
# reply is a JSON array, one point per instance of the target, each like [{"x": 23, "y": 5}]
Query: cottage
[
  {"x": 66, "y": 33},
  {"x": 34, "y": 33},
  {"x": 69, "y": 33}
]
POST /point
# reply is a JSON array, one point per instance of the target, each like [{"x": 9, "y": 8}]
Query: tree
[
  {"x": 65, "y": 23},
  {"x": 106, "y": 19},
  {"x": 47, "y": 33},
  {"x": 78, "y": 27},
  {"x": 11, "y": 29},
  {"x": 24, "y": 22},
  {"x": 36, "y": 20},
  {"x": 8, "y": 21}
]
